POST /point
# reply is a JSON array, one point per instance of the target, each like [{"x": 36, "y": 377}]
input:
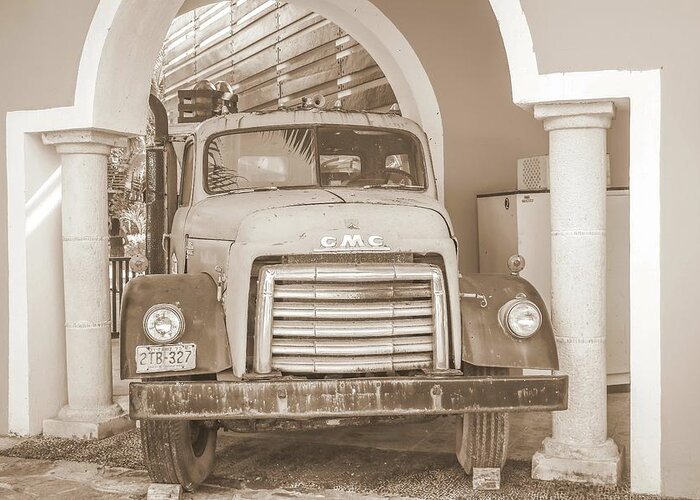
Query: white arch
[
  {"x": 112, "y": 94},
  {"x": 118, "y": 59},
  {"x": 642, "y": 90}
]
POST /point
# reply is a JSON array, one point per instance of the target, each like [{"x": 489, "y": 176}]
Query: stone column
[
  {"x": 579, "y": 449},
  {"x": 90, "y": 412}
]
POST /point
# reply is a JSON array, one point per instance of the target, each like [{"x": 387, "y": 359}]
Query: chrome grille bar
[
  {"x": 351, "y": 347},
  {"x": 327, "y": 291},
  {"x": 354, "y": 364},
  {"x": 353, "y": 329},
  {"x": 349, "y": 273},
  {"x": 351, "y": 310}
]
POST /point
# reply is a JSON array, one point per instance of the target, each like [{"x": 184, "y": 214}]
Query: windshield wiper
[
  {"x": 252, "y": 189},
  {"x": 393, "y": 186}
]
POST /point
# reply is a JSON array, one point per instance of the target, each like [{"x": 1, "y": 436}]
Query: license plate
[{"x": 165, "y": 358}]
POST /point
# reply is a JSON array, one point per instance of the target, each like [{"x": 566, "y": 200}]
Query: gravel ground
[
  {"x": 122, "y": 450},
  {"x": 262, "y": 463}
]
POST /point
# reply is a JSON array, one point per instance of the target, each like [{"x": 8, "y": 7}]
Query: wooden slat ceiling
[{"x": 273, "y": 54}]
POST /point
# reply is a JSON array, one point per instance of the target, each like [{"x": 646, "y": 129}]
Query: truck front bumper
[{"x": 335, "y": 398}]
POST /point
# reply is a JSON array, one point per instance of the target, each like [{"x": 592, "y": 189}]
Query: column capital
[
  {"x": 84, "y": 141},
  {"x": 555, "y": 116}
]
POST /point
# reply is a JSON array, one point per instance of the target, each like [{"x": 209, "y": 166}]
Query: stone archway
[
  {"x": 111, "y": 95},
  {"x": 126, "y": 61}
]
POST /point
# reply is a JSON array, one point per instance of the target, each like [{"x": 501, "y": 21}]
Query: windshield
[{"x": 314, "y": 156}]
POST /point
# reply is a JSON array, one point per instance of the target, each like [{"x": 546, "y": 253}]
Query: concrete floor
[
  {"x": 408, "y": 460},
  {"x": 526, "y": 433}
]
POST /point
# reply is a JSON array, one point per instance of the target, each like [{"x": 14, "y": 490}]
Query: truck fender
[
  {"x": 485, "y": 342},
  {"x": 195, "y": 295}
]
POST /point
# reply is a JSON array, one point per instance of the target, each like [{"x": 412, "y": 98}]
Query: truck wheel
[
  {"x": 482, "y": 438},
  {"x": 178, "y": 451}
]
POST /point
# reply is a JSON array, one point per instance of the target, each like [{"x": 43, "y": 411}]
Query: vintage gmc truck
[{"x": 314, "y": 280}]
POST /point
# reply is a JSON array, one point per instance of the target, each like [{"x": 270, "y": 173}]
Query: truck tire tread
[
  {"x": 168, "y": 454},
  {"x": 482, "y": 438}
]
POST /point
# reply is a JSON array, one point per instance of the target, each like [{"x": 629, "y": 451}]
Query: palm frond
[
  {"x": 298, "y": 140},
  {"x": 219, "y": 177}
]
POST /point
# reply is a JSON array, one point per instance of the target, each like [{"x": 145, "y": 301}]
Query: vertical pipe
[
  {"x": 113, "y": 294},
  {"x": 156, "y": 216}
]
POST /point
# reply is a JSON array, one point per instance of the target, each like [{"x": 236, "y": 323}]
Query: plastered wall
[
  {"x": 40, "y": 46},
  {"x": 460, "y": 46},
  {"x": 644, "y": 34}
]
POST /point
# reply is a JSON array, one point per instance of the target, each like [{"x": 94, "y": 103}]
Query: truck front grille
[{"x": 331, "y": 318}]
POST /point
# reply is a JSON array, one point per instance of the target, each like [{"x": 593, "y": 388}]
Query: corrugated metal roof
[{"x": 272, "y": 53}]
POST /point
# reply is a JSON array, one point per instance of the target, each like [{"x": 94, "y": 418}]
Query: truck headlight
[
  {"x": 521, "y": 318},
  {"x": 163, "y": 323}
]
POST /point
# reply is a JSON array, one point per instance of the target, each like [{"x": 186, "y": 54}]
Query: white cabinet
[{"x": 511, "y": 223}]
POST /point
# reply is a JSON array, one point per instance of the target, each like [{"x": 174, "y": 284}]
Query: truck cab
[{"x": 314, "y": 278}]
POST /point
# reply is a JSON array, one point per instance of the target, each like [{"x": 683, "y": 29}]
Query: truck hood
[{"x": 220, "y": 217}]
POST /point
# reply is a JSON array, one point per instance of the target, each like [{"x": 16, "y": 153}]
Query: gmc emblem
[{"x": 352, "y": 242}]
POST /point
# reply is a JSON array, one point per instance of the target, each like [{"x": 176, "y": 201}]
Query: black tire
[
  {"x": 482, "y": 438},
  {"x": 178, "y": 451}
]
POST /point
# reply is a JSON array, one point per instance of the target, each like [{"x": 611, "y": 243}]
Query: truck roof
[{"x": 286, "y": 117}]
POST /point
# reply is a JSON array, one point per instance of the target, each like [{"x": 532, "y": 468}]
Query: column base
[
  {"x": 594, "y": 465},
  {"x": 88, "y": 424}
]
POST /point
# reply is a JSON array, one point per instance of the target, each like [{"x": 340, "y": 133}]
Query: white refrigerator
[{"x": 518, "y": 222}]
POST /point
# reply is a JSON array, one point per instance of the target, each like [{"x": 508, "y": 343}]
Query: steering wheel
[
  {"x": 359, "y": 178},
  {"x": 389, "y": 171}
]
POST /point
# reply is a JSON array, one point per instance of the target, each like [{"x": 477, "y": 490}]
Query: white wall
[
  {"x": 40, "y": 46},
  {"x": 631, "y": 34},
  {"x": 46, "y": 344}
]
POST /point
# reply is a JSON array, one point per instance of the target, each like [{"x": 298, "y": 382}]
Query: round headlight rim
[
  {"x": 171, "y": 307},
  {"x": 508, "y": 307}
]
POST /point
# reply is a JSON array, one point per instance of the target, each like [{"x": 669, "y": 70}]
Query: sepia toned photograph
[{"x": 349, "y": 249}]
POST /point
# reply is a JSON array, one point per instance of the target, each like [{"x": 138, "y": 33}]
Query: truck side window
[{"x": 187, "y": 172}]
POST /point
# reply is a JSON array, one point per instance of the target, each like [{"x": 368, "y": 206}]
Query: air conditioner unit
[{"x": 533, "y": 173}]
